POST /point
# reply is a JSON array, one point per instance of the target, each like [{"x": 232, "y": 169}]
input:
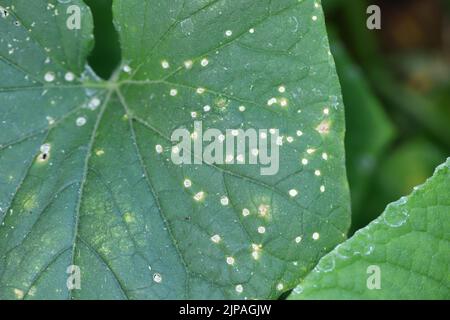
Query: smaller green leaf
[{"x": 404, "y": 254}]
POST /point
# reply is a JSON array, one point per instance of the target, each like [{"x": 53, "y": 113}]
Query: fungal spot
[
  {"x": 199, "y": 196},
  {"x": 45, "y": 152},
  {"x": 256, "y": 248},
  {"x": 49, "y": 76},
  {"x": 94, "y": 103},
  {"x": 204, "y": 62},
  {"x": 323, "y": 127},
  {"x": 224, "y": 201},
  {"x": 293, "y": 193},
  {"x": 263, "y": 210},
  {"x": 81, "y": 121},
  {"x": 283, "y": 102},
  {"x": 188, "y": 64},
  {"x": 316, "y": 236},
  {"x": 3, "y": 12},
  {"x": 129, "y": 217},
  {"x": 187, "y": 183},
  {"x": 69, "y": 76},
  {"x": 216, "y": 238},
  {"x": 159, "y": 148},
  {"x": 230, "y": 260},
  {"x": 157, "y": 278},
  {"x": 239, "y": 288},
  {"x": 50, "y": 120},
  {"x": 126, "y": 68},
  {"x": 271, "y": 101},
  {"x": 165, "y": 64},
  {"x": 18, "y": 293}
]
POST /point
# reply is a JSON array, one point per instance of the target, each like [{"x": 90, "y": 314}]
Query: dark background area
[{"x": 396, "y": 88}]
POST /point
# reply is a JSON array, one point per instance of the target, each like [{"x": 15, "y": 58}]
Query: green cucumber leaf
[
  {"x": 404, "y": 254},
  {"x": 369, "y": 132},
  {"x": 88, "y": 190}
]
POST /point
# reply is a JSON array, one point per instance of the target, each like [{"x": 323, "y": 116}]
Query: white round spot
[
  {"x": 69, "y": 76},
  {"x": 245, "y": 212},
  {"x": 280, "y": 286},
  {"x": 241, "y": 108},
  {"x": 224, "y": 200},
  {"x": 298, "y": 239},
  {"x": 207, "y": 108},
  {"x": 173, "y": 92},
  {"x": 216, "y": 238},
  {"x": 299, "y": 133},
  {"x": 81, "y": 121},
  {"x": 314, "y": 18},
  {"x": 126, "y": 68},
  {"x": 230, "y": 260},
  {"x": 304, "y": 162},
  {"x": 239, "y": 288},
  {"x": 324, "y": 156},
  {"x": 293, "y": 193},
  {"x": 261, "y": 229},
  {"x": 157, "y": 277},
  {"x": 316, "y": 236},
  {"x": 252, "y": 30},
  {"x": 187, "y": 183},
  {"x": 188, "y": 64},
  {"x": 317, "y": 173},
  {"x": 165, "y": 64},
  {"x": 49, "y": 76},
  {"x": 228, "y": 33},
  {"x": 281, "y": 89},
  {"x": 159, "y": 148},
  {"x": 204, "y": 62},
  {"x": 199, "y": 196},
  {"x": 94, "y": 103},
  {"x": 200, "y": 90},
  {"x": 322, "y": 189}
]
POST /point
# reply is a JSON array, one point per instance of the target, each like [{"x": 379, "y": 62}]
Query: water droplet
[{"x": 327, "y": 264}]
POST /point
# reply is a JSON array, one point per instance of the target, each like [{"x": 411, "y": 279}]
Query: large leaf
[
  {"x": 85, "y": 165},
  {"x": 404, "y": 254}
]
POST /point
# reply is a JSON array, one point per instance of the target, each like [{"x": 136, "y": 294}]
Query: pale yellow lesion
[{"x": 129, "y": 217}]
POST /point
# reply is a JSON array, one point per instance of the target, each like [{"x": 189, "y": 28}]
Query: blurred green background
[{"x": 396, "y": 88}]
